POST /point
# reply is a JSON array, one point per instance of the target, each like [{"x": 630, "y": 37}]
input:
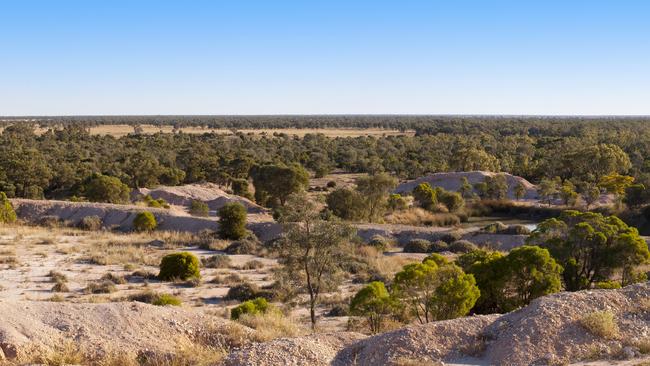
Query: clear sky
[{"x": 324, "y": 57}]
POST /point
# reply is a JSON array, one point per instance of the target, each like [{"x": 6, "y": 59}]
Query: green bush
[
  {"x": 255, "y": 306},
  {"x": 144, "y": 221},
  {"x": 155, "y": 203},
  {"x": 417, "y": 246},
  {"x": 374, "y": 303},
  {"x": 199, "y": 208},
  {"x": 462, "y": 246},
  {"x": 182, "y": 265},
  {"x": 7, "y": 213},
  {"x": 607, "y": 285},
  {"x": 232, "y": 221},
  {"x": 91, "y": 223},
  {"x": 167, "y": 299}
]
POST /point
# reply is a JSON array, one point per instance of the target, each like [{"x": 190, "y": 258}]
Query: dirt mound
[
  {"x": 317, "y": 349},
  {"x": 30, "y": 328},
  {"x": 209, "y": 193},
  {"x": 120, "y": 217},
  {"x": 452, "y": 182},
  {"x": 548, "y": 331}
]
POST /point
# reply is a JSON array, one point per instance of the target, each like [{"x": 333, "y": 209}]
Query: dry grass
[
  {"x": 419, "y": 217},
  {"x": 120, "y": 253},
  {"x": 270, "y": 325},
  {"x": 601, "y": 324}
]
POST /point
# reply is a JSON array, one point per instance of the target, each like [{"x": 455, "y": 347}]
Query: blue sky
[{"x": 324, "y": 57}]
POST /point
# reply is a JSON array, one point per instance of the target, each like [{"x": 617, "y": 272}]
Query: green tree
[
  {"x": 373, "y": 302},
  {"x": 102, "y": 188},
  {"x": 313, "y": 252},
  {"x": 616, "y": 184},
  {"x": 548, "y": 189},
  {"x": 425, "y": 196},
  {"x": 375, "y": 190},
  {"x": 347, "y": 204},
  {"x": 7, "y": 213},
  {"x": 435, "y": 292},
  {"x": 568, "y": 194},
  {"x": 590, "y": 247},
  {"x": 520, "y": 191},
  {"x": 274, "y": 183},
  {"x": 232, "y": 221},
  {"x": 466, "y": 190}
]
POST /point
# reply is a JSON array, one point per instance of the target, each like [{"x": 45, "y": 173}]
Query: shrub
[
  {"x": 199, "y": 208},
  {"x": 216, "y": 261},
  {"x": 439, "y": 246},
  {"x": 240, "y": 188},
  {"x": 155, "y": 203},
  {"x": 103, "y": 287},
  {"x": 607, "y": 285},
  {"x": 245, "y": 246},
  {"x": 494, "y": 228},
  {"x": 379, "y": 242},
  {"x": 451, "y": 237},
  {"x": 516, "y": 230},
  {"x": 50, "y": 221},
  {"x": 601, "y": 324},
  {"x": 182, "y": 265},
  {"x": 167, "y": 299},
  {"x": 60, "y": 287},
  {"x": 116, "y": 279},
  {"x": 347, "y": 204},
  {"x": 254, "y": 264},
  {"x": 417, "y": 246},
  {"x": 331, "y": 184},
  {"x": 243, "y": 292},
  {"x": 253, "y": 307},
  {"x": 144, "y": 221},
  {"x": 232, "y": 221},
  {"x": 396, "y": 202},
  {"x": 91, "y": 223},
  {"x": 462, "y": 246},
  {"x": 7, "y": 213}
]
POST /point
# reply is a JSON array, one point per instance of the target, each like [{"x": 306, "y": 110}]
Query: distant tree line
[{"x": 56, "y": 163}]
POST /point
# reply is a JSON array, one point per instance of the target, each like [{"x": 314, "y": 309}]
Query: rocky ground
[{"x": 547, "y": 332}]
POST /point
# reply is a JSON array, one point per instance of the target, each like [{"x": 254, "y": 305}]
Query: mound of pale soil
[
  {"x": 548, "y": 331},
  {"x": 30, "y": 327},
  {"x": 209, "y": 193},
  {"x": 452, "y": 182},
  {"x": 313, "y": 350},
  {"x": 120, "y": 217}
]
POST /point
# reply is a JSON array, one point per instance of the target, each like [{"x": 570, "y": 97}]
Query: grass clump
[
  {"x": 601, "y": 324},
  {"x": 182, "y": 265}
]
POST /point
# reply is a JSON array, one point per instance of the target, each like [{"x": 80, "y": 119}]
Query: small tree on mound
[
  {"x": 103, "y": 188},
  {"x": 145, "y": 221},
  {"x": 182, "y": 265},
  {"x": 232, "y": 221},
  {"x": 7, "y": 213},
  {"x": 373, "y": 302}
]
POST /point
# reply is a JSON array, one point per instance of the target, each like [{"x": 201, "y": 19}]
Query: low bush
[
  {"x": 380, "y": 243},
  {"x": 245, "y": 246},
  {"x": 252, "y": 307},
  {"x": 90, "y": 223},
  {"x": 182, "y": 265},
  {"x": 60, "y": 287},
  {"x": 7, "y": 213},
  {"x": 50, "y": 221},
  {"x": 494, "y": 228},
  {"x": 243, "y": 292},
  {"x": 167, "y": 299},
  {"x": 155, "y": 203},
  {"x": 199, "y": 208},
  {"x": 601, "y": 324},
  {"x": 253, "y": 264},
  {"x": 103, "y": 287},
  {"x": 116, "y": 279},
  {"x": 462, "y": 246},
  {"x": 216, "y": 261},
  {"x": 451, "y": 237},
  {"x": 417, "y": 246},
  {"x": 144, "y": 221},
  {"x": 607, "y": 285},
  {"x": 438, "y": 246},
  {"x": 517, "y": 230}
]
